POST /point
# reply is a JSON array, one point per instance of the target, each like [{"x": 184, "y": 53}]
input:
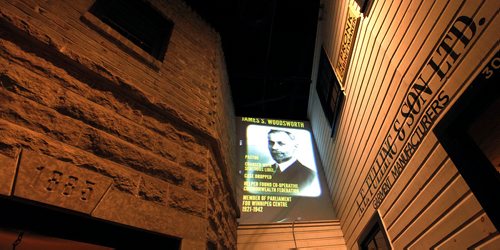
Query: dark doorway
[
  {"x": 470, "y": 134},
  {"x": 47, "y": 225}
]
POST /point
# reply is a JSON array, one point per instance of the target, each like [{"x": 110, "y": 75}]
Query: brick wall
[{"x": 161, "y": 132}]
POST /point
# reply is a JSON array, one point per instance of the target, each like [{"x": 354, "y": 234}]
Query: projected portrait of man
[{"x": 288, "y": 169}]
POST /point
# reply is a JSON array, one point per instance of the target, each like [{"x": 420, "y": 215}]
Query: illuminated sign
[
  {"x": 347, "y": 44},
  {"x": 279, "y": 175}
]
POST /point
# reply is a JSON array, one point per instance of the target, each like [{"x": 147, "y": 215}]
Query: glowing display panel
[{"x": 279, "y": 175}]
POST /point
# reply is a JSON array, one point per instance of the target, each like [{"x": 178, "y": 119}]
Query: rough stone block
[
  {"x": 7, "y": 172},
  {"x": 198, "y": 183},
  {"x": 192, "y": 245},
  {"x": 187, "y": 201},
  {"x": 154, "y": 190},
  {"x": 131, "y": 210}
]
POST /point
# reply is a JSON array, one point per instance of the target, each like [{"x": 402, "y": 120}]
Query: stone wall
[{"x": 161, "y": 133}]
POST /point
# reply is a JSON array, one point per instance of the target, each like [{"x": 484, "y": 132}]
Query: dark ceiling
[{"x": 269, "y": 47}]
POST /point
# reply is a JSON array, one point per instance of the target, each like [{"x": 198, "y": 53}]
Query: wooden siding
[
  {"x": 429, "y": 204},
  {"x": 308, "y": 235}
]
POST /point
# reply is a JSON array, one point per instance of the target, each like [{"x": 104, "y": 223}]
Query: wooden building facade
[{"x": 401, "y": 73}]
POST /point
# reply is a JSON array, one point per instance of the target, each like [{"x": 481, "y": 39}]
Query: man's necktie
[{"x": 277, "y": 169}]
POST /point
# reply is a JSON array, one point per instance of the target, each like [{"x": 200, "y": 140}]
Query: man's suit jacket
[{"x": 295, "y": 173}]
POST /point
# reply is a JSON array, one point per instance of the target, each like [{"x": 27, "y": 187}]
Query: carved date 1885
[{"x": 66, "y": 185}]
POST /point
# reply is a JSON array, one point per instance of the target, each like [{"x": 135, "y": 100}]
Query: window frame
[
  {"x": 96, "y": 22},
  {"x": 329, "y": 90},
  {"x": 371, "y": 229},
  {"x": 363, "y": 5},
  {"x": 452, "y": 133}
]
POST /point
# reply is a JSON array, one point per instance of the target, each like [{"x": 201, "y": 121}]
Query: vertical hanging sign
[
  {"x": 280, "y": 178},
  {"x": 347, "y": 44}
]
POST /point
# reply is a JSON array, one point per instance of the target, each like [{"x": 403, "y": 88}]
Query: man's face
[{"x": 281, "y": 146}]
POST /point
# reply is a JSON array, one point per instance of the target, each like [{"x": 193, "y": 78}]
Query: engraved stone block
[
  {"x": 7, "y": 172},
  {"x": 48, "y": 180}
]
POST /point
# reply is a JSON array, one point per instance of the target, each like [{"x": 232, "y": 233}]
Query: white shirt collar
[{"x": 284, "y": 165}]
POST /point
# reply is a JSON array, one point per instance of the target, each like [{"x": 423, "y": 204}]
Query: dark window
[
  {"x": 470, "y": 134},
  {"x": 329, "y": 90},
  {"x": 138, "y": 21},
  {"x": 373, "y": 236},
  {"x": 363, "y": 4},
  {"x": 211, "y": 245}
]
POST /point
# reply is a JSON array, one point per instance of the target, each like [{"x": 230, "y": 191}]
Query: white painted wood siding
[{"x": 429, "y": 205}]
